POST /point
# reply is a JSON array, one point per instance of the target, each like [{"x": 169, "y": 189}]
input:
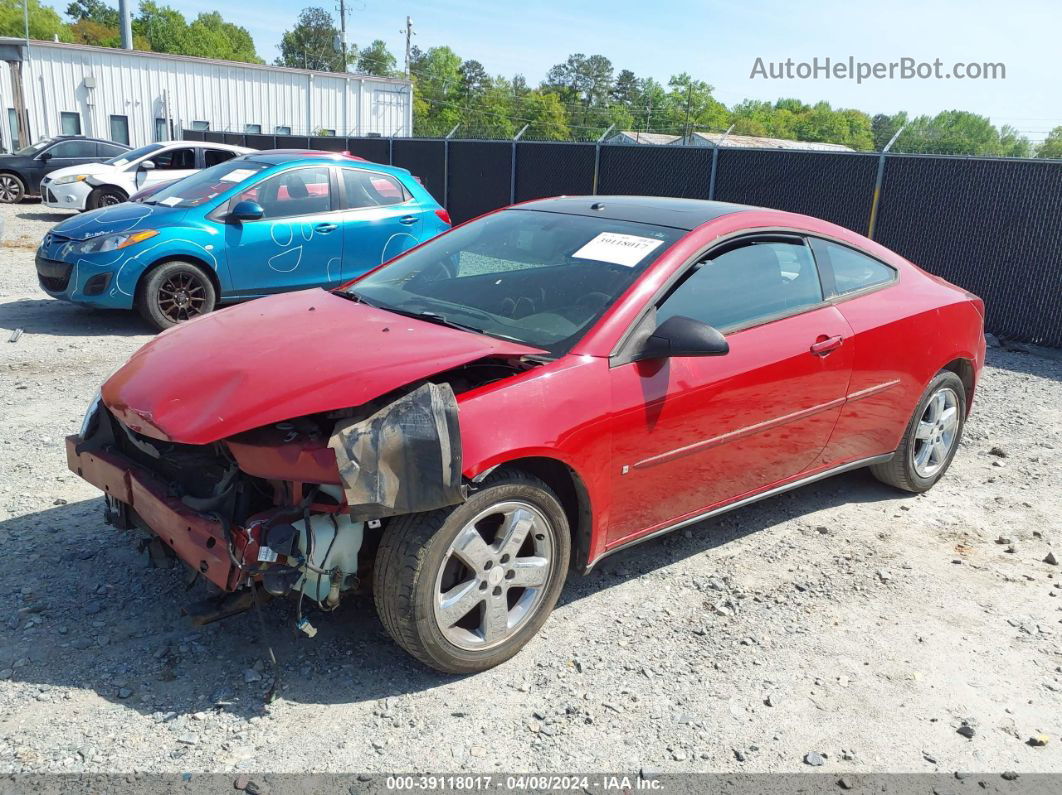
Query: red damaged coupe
[{"x": 525, "y": 395}]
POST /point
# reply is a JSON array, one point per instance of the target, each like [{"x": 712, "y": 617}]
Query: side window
[
  {"x": 743, "y": 285},
  {"x": 303, "y": 191},
  {"x": 182, "y": 159},
  {"x": 73, "y": 149},
  {"x": 109, "y": 150},
  {"x": 211, "y": 157},
  {"x": 366, "y": 189},
  {"x": 852, "y": 270}
]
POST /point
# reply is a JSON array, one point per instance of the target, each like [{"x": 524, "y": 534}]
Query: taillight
[{"x": 444, "y": 216}]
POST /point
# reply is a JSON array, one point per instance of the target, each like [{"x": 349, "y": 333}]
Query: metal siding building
[{"x": 152, "y": 96}]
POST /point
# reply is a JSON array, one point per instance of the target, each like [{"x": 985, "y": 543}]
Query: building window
[
  {"x": 200, "y": 125},
  {"x": 120, "y": 129},
  {"x": 252, "y": 129},
  {"x": 162, "y": 130},
  {"x": 70, "y": 123},
  {"x": 279, "y": 130}
]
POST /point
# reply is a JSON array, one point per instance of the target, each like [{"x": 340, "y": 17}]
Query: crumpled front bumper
[{"x": 198, "y": 540}]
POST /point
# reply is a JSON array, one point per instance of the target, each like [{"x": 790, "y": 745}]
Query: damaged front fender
[{"x": 405, "y": 458}]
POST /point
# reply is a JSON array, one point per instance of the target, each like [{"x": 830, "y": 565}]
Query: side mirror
[
  {"x": 147, "y": 165},
  {"x": 247, "y": 210},
  {"x": 45, "y": 157},
  {"x": 683, "y": 336}
]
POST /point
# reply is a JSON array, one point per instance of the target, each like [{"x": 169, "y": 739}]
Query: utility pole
[
  {"x": 409, "y": 42},
  {"x": 126, "y": 24},
  {"x": 689, "y": 99},
  {"x": 25, "y": 17},
  {"x": 343, "y": 30}
]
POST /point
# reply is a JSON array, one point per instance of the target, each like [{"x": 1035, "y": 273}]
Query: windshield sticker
[
  {"x": 237, "y": 175},
  {"x": 171, "y": 201},
  {"x": 617, "y": 249}
]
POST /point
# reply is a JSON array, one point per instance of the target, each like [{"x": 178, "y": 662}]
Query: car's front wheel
[
  {"x": 12, "y": 189},
  {"x": 931, "y": 438},
  {"x": 463, "y": 589},
  {"x": 174, "y": 292},
  {"x": 105, "y": 197}
]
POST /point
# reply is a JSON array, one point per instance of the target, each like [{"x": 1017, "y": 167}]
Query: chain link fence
[{"x": 990, "y": 225}]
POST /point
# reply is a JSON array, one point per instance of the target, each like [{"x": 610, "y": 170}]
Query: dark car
[{"x": 21, "y": 172}]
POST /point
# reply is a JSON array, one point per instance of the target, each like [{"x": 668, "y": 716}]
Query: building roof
[
  {"x": 638, "y": 137},
  {"x": 12, "y": 43},
  {"x": 657, "y": 210},
  {"x": 762, "y": 142}
]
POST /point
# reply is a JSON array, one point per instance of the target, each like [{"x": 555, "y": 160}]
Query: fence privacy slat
[
  {"x": 990, "y": 225},
  {"x": 835, "y": 188}
]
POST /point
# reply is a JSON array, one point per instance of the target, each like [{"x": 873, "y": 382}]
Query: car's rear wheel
[
  {"x": 463, "y": 589},
  {"x": 12, "y": 188},
  {"x": 105, "y": 197},
  {"x": 931, "y": 438},
  {"x": 174, "y": 292}
]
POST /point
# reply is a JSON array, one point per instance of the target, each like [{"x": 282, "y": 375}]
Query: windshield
[
  {"x": 536, "y": 277},
  {"x": 206, "y": 184},
  {"x": 34, "y": 148},
  {"x": 135, "y": 154}
]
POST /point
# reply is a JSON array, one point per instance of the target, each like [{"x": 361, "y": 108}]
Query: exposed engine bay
[{"x": 295, "y": 508}]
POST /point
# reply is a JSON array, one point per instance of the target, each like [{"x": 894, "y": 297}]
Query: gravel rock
[{"x": 814, "y": 759}]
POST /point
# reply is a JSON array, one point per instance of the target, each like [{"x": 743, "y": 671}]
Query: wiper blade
[{"x": 435, "y": 317}]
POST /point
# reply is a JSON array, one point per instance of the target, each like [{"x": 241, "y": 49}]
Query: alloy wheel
[
  {"x": 109, "y": 200},
  {"x": 494, "y": 576},
  {"x": 182, "y": 296},
  {"x": 10, "y": 189},
  {"x": 936, "y": 433}
]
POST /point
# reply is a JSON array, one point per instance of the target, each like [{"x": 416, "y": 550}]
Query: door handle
[
  {"x": 824, "y": 345},
  {"x": 407, "y": 219},
  {"x": 324, "y": 229}
]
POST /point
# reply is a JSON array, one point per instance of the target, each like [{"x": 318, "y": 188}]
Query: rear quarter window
[{"x": 852, "y": 270}]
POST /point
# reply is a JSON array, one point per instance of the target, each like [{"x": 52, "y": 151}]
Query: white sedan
[{"x": 94, "y": 185}]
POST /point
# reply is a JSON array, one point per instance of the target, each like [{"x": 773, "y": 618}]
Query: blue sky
[{"x": 719, "y": 42}]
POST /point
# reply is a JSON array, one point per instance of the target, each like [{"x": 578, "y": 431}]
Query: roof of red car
[{"x": 657, "y": 210}]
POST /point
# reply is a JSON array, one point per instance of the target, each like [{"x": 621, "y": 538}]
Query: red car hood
[{"x": 277, "y": 358}]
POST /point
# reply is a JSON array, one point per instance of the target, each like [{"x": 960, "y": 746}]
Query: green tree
[
  {"x": 883, "y": 126},
  {"x": 1013, "y": 144},
  {"x": 691, "y": 106},
  {"x": 93, "y": 11},
  {"x": 377, "y": 60},
  {"x": 955, "y": 132},
  {"x": 210, "y": 36},
  {"x": 314, "y": 43},
  {"x": 1052, "y": 145},
  {"x": 545, "y": 117},
  {"x": 584, "y": 85},
  {"x": 437, "y": 84},
  {"x": 44, "y": 22}
]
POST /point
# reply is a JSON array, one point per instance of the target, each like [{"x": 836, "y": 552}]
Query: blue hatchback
[{"x": 263, "y": 223}]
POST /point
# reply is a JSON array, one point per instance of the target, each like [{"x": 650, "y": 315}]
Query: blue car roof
[{"x": 283, "y": 157}]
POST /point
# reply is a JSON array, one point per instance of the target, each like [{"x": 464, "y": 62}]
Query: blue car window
[
  {"x": 368, "y": 189},
  {"x": 302, "y": 191}
]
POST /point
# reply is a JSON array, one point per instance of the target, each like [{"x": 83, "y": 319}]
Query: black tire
[
  {"x": 413, "y": 558},
  {"x": 174, "y": 292},
  {"x": 902, "y": 470},
  {"x": 105, "y": 197},
  {"x": 12, "y": 188}
]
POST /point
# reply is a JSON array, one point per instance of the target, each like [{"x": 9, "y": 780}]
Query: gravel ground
[{"x": 880, "y": 631}]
